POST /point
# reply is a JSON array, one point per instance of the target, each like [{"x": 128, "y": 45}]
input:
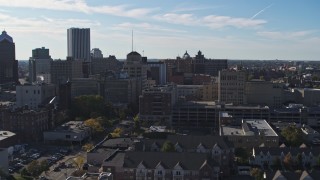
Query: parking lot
[{"x": 52, "y": 155}]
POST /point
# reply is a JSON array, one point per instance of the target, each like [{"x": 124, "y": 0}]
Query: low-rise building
[
  {"x": 266, "y": 156},
  {"x": 161, "y": 165},
  {"x": 251, "y": 133},
  {"x": 7, "y": 140},
  {"x": 34, "y": 95},
  {"x": 72, "y": 131},
  {"x": 27, "y": 124}
]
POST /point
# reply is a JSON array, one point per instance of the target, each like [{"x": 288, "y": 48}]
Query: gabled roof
[
  {"x": 189, "y": 142},
  {"x": 188, "y": 161},
  {"x": 276, "y": 151}
]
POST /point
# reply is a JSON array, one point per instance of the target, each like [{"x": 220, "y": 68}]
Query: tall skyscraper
[
  {"x": 8, "y": 62},
  {"x": 79, "y": 43}
]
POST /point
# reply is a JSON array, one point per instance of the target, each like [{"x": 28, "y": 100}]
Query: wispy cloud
[
  {"x": 211, "y": 21},
  {"x": 144, "y": 26},
  {"x": 261, "y": 11},
  {"x": 78, "y": 6},
  {"x": 292, "y": 35},
  {"x": 43, "y": 24},
  {"x": 193, "y": 8}
]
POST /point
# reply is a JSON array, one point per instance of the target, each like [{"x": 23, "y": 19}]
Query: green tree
[
  {"x": 299, "y": 160},
  {"x": 87, "y": 105},
  {"x": 277, "y": 163},
  {"x": 34, "y": 168},
  {"x": 242, "y": 155},
  {"x": 292, "y": 135},
  {"x": 137, "y": 124},
  {"x": 168, "y": 147},
  {"x": 256, "y": 173}
]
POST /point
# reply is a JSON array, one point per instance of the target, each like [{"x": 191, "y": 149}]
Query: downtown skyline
[{"x": 230, "y": 29}]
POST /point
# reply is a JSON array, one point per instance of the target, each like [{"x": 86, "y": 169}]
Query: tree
[
  {"x": 78, "y": 162},
  {"x": 299, "y": 160},
  {"x": 256, "y": 173},
  {"x": 277, "y": 163},
  {"x": 287, "y": 161},
  {"x": 137, "y": 124},
  {"x": 116, "y": 132},
  {"x": 87, "y": 147},
  {"x": 87, "y": 105},
  {"x": 293, "y": 135},
  {"x": 34, "y": 168},
  {"x": 168, "y": 147},
  {"x": 242, "y": 155},
  {"x": 94, "y": 124}
]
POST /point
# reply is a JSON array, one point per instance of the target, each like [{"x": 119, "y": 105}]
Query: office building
[
  {"x": 259, "y": 92},
  {"x": 96, "y": 53},
  {"x": 39, "y": 65},
  {"x": 41, "y": 53},
  {"x": 84, "y": 86},
  {"x": 103, "y": 65},
  {"x": 65, "y": 70},
  {"x": 155, "y": 104},
  {"x": 157, "y": 71},
  {"x": 34, "y": 95},
  {"x": 231, "y": 87},
  {"x": 118, "y": 88},
  {"x": 135, "y": 68},
  {"x": 27, "y": 124},
  {"x": 79, "y": 43},
  {"x": 8, "y": 62}
]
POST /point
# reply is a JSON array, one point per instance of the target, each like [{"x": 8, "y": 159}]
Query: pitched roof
[
  {"x": 189, "y": 161},
  {"x": 5, "y": 36},
  {"x": 293, "y": 150}
]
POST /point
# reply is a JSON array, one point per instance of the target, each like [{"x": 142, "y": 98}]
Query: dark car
[{"x": 56, "y": 169}]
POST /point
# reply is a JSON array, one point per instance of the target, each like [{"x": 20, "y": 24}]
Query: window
[
  {"x": 178, "y": 173},
  {"x": 160, "y": 172},
  {"x": 68, "y": 136}
]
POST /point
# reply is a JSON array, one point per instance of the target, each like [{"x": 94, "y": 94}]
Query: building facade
[
  {"x": 33, "y": 95},
  {"x": 8, "y": 62},
  {"x": 39, "y": 65},
  {"x": 156, "y": 104},
  {"x": 231, "y": 87},
  {"x": 27, "y": 124},
  {"x": 64, "y": 70},
  {"x": 79, "y": 43}
]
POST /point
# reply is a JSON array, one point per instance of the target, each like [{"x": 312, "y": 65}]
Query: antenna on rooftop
[{"x": 132, "y": 40}]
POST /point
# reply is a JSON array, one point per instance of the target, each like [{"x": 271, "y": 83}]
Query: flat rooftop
[
  {"x": 249, "y": 128},
  {"x": 6, "y": 134},
  {"x": 71, "y": 126}
]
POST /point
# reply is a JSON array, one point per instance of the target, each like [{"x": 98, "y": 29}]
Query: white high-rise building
[{"x": 79, "y": 43}]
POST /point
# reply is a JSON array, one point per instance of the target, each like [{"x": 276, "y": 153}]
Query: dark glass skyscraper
[{"x": 8, "y": 62}]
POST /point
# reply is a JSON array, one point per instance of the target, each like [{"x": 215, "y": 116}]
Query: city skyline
[{"x": 220, "y": 29}]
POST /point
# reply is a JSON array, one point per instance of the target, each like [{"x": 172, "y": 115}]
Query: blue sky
[{"x": 233, "y": 29}]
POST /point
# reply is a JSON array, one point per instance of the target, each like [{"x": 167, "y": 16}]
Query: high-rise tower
[
  {"x": 79, "y": 43},
  {"x": 8, "y": 62}
]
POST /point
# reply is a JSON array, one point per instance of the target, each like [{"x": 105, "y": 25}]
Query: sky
[{"x": 228, "y": 29}]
